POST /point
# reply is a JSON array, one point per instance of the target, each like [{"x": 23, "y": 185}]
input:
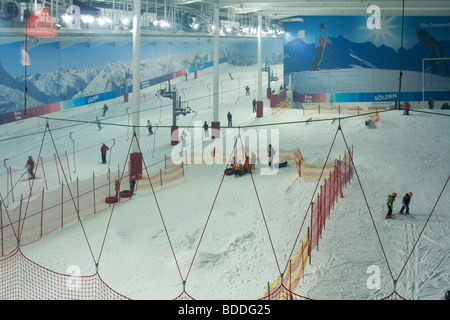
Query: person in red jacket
[
  {"x": 30, "y": 167},
  {"x": 406, "y": 107},
  {"x": 103, "y": 150},
  {"x": 321, "y": 41}
]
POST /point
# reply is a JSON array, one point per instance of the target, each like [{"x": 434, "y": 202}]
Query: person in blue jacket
[{"x": 321, "y": 41}]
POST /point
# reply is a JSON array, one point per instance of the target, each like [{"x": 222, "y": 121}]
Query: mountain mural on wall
[
  {"x": 60, "y": 84},
  {"x": 298, "y": 55}
]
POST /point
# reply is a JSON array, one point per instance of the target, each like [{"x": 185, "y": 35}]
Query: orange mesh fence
[
  {"x": 282, "y": 289},
  {"x": 48, "y": 211},
  {"x": 318, "y": 109},
  {"x": 23, "y": 279},
  {"x": 161, "y": 178}
]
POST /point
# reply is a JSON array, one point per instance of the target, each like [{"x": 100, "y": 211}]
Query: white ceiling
[{"x": 279, "y": 9}]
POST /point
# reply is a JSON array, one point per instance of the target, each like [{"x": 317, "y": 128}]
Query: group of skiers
[
  {"x": 405, "y": 204},
  {"x": 239, "y": 169}
]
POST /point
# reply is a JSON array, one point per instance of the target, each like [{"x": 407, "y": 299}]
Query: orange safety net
[
  {"x": 282, "y": 289},
  {"x": 320, "y": 109},
  {"x": 161, "y": 178}
]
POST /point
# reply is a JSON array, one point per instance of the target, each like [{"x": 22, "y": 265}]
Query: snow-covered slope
[{"x": 236, "y": 259}]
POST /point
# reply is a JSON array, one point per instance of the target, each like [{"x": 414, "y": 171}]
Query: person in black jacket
[
  {"x": 405, "y": 203},
  {"x": 229, "y": 117},
  {"x": 132, "y": 184}
]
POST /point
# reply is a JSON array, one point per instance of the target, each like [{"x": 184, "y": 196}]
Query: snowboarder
[
  {"x": 98, "y": 123},
  {"x": 321, "y": 41},
  {"x": 105, "y": 108},
  {"x": 390, "y": 202},
  {"x": 247, "y": 90},
  {"x": 205, "y": 127},
  {"x": 30, "y": 167},
  {"x": 103, "y": 150},
  {"x": 254, "y": 105},
  {"x": 132, "y": 184},
  {"x": 405, "y": 203},
  {"x": 149, "y": 126},
  {"x": 229, "y": 117}
]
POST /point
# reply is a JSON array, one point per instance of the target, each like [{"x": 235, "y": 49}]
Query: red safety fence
[{"x": 329, "y": 193}]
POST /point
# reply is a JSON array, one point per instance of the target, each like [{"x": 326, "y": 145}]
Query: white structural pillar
[
  {"x": 135, "y": 168},
  {"x": 259, "y": 102},
  {"x": 259, "y": 57},
  {"x": 215, "y": 124},
  {"x": 136, "y": 69},
  {"x": 216, "y": 66}
]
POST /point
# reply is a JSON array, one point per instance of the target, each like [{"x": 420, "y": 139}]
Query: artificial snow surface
[{"x": 236, "y": 258}]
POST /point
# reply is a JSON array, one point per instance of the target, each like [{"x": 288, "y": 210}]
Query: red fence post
[
  {"x": 57, "y": 170},
  {"x": 68, "y": 167},
  {"x": 12, "y": 185},
  {"x": 1, "y": 223},
  {"x": 93, "y": 189},
  {"x": 42, "y": 211},
  {"x": 43, "y": 173},
  {"x": 62, "y": 205}
]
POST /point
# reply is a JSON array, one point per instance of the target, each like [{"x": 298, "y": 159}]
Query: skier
[
  {"x": 321, "y": 41},
  {"x": 205, "y": 127},
  {"x": 247, "y": 90},
  {"x": 231, "y": 77},
  {"x": 405, "y": 203},
  {"x": 105, "y": 108},
  {"x": 229, "y": 117},
  {"x": 254, "y": 105},
  {"x": 132, "y": 184},
  {"x": 270, "y": 153},
  {"x": 183, "y": 139},
  {"x": 103, "y": 150},
  {"x": 149, "y": 126},
  {"x": 390, "y": 202},
  {"x": 98, "y": 123},
  {"x": 30, "y": 167}
]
